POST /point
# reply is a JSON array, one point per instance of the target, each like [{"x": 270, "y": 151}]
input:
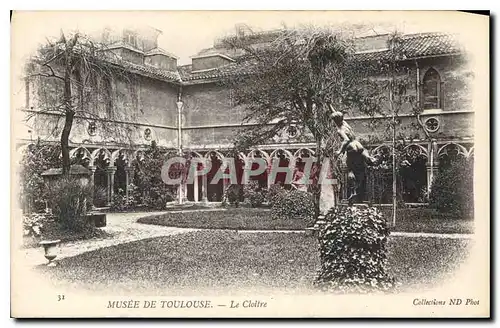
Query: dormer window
[
  {"x": 432, "y": 90},
  {"x": 130, "y": 38}
]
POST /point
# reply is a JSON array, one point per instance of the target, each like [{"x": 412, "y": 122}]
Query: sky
[{"x": 185, "y": 33}]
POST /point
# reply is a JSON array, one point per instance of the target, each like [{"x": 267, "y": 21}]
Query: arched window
[{"x": 432, "y": 90}]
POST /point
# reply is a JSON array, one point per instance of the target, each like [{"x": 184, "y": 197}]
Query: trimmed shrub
[
  {"x": 254, "y": 194},
  {"x": 353, "y": 251},
  {"x": 452, "y": 191},
  {"x": 69, "y": 201},
  {"x": 120, "y": 203},
  {"x": 150, "y": 187},
  {"x": 293, "y": 204},
  {"x": 275, "y": 191},
  {"x": 157, "y": 199},
  {"x": 36, "y": 159},
  {"x": 100, "y": 198},
  {"x": 233, "y": 194}
]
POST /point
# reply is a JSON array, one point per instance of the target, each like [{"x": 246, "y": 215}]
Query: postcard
[{"x": 250, "y": 164}]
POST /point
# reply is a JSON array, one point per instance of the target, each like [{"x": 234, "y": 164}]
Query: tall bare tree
[
  {"x": 71, "y": 70},
  {"x": 295, "y": 78}
]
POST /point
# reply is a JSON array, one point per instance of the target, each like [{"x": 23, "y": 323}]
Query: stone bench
[{"x": 97, "y": 219}]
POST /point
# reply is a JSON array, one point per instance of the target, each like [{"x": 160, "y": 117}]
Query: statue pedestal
[{"x": 326, "y": 199}]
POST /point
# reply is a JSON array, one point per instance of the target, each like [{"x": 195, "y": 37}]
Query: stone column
[
  {"x": 432, "y": 164},
  {"x": 92, "y": 170},
  {"x": 204, "y": 186},
  {"x": 180, "y": 193},
  {"x": 225, "y": 184},
  {"x": 128, "y": 172},
  {"x": 195, "y": 189},
  {"x": 268, "y": 172},
  {"x": 185, "y": 191},
  {"x": 110, "y": 170}
]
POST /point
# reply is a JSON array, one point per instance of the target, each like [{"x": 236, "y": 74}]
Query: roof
[
  {"x": 420, "y": 45},
  {"x": 187, "y": 74},
  {"x": 148, "y": 70},
  {"x": 159, "y": 51},
  {"x": 414, "y": 46}
]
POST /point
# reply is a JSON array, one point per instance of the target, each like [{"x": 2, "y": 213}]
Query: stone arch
[
  {"x": 287, "y": 153},
  {"x": 242, "y": 156},
  {"x": 192, "y": 191},
  {"x": 97, "y": 152},
  {"x": 421, "y": 150},
  {"x": 121, "y": 162},
  {"x": 412, "y": 174},
  {"x": 138, "y": 154},
  {"x": 257, "y": 151},
  {"x": 80, "y": 155},
  {"x": 287, "y": 160},
  {"x": 119, "y": 152},
  {"x": 430, "y": 70},
  {"x": 470, "y": 153},
  {"x": 100, "y": 162},
  {"x": 300, "y": 151},
  {"x": 217, "y": 153},
  {"x": 261, "y": 178},
  {"x": 85, "y": 151},
  {"x": 379, "y": 149},
  {"x": 215, "y": 191},
  {"x": 445, "y": 148}
]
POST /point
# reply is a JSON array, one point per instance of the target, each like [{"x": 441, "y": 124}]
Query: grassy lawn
[
  {"x": 260, "y": 219},
  {"x": 232, "y": 219},
  {"x": 205, "y": 262},
  {"x": 437, "y": 225},
  {"x": 141, "y": 208}
]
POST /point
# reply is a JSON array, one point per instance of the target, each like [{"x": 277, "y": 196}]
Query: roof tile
[{"x": 414, "y": 46}]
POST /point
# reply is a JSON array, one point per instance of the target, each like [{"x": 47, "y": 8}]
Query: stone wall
[
  {"x": 122, "y": 111},
  {"x": 210, "y": 105},
  {"x": 209, "y": 119}
]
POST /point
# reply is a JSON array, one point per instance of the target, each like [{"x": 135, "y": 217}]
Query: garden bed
[{"x": 232, "y": 219}]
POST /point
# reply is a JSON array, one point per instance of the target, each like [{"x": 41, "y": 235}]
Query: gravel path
[{"x": 122, "y": 226}]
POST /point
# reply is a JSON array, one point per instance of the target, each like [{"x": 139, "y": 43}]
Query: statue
[{"x": 357, "y": 157}]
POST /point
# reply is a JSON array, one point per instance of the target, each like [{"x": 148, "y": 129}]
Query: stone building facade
[{"x": 183, "y": 107}]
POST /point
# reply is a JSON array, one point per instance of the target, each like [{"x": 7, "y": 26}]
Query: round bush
[
  {"x": 293, "y": 204},
  {"x": 452, "y": 190},
  {"x": 275, "y": 191},
  {"x": 233, "y": 194},
  {"x": 353, "y": 251},
  {"x": 254, "y": 194}
]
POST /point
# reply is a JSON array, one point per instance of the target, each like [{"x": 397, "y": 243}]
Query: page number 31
[{"x": 60, "y": 297}]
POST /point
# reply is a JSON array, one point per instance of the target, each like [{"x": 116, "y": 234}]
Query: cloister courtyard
[{"x": 235, "y": 250}]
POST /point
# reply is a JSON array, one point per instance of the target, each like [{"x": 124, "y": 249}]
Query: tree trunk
[
  {"x": 69, "y": 115},
  {"x": 68, "y": 123},
  {"x": 317, "y": 185}
]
